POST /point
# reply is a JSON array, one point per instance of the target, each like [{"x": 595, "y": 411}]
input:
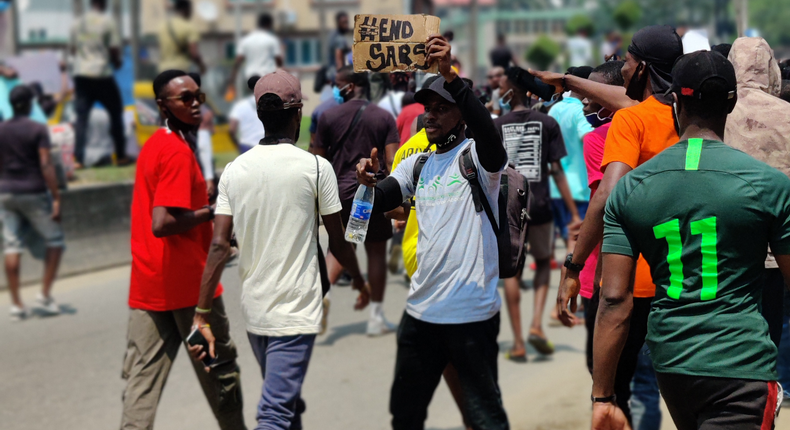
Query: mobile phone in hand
[{"x": 196, "y": 338}]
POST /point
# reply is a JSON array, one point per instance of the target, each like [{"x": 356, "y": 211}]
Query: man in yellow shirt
[
  {"x": 418, "y": 143},
  {"x": 178, "y": 41}
]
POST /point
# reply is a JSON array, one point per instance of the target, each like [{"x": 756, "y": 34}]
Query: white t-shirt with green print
[{"x": 457, "y": 256}]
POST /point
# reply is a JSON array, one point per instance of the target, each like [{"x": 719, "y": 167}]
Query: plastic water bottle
[{"x": 357, "y": 227}]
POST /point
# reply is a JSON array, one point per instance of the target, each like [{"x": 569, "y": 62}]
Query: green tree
[
  {"x": 771, "y": 17},
  {"x": 543, "y": 52},
  {"x": 580, "y": 23},
  {"x": 627, "y": 14}
]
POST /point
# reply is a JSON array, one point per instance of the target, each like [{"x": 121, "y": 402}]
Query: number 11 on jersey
[{"x": 670, "y": 231}]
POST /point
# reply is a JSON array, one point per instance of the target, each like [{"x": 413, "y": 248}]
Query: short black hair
[
  {"x": 182, "y": 5},
  {"x": 265, "y": 20},
  {"x": 612, "y": 72},
  {"x": 449, "y": 35},
  {"x": 708, "y": 108},
  {"x": 339, "y": 15},
  {"x": 21, "y": 97},
  {"x": 580, "y": 71},
  {"x": 358, "y": 79},
  {"x": 101, "y": 3},
  {"x": 274, "y": 120},
  {"x": 785, "y": 94},
  {"x": 722, "y": 48},
  {"x": 164, "y": 78}
]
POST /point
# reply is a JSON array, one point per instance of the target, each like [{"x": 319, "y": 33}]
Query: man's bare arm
[
  {"x": 613, "y": 320},
  {"x": 611, "y": 97},
  {"x": 169, "y": 221},
  {"x": 589, "y": 237},
  {"x": 390, "y": 150}
]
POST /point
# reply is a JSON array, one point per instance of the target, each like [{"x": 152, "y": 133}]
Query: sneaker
[
  {"x": 344, "y": 280},
  {"x": 394, "y": 261},
  {"x": 17, "y": 313},
  {"x": 380, "y": 326},
  {"x": 48, "y": 304}
]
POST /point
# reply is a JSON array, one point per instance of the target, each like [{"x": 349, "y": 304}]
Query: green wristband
[{"x": 202, "y": 311}]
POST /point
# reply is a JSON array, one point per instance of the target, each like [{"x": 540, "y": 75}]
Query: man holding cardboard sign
[
  {"x": 393, "y": 43},
  {"x": 452, "y": 313}
]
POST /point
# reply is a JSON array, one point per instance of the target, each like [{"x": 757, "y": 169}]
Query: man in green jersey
[{"x": 714, "y": 210}]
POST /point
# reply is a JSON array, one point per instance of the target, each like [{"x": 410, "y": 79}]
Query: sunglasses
[{"x": 189, "y": 98}]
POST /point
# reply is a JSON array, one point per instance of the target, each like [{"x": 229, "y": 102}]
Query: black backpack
[{"x": 513, "y": 209}]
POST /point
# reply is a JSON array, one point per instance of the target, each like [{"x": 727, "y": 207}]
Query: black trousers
[
  {"x": 425, "y": 349},
  {"x": 637, "y": 332},
  {"x": 703, "y": 403},
  {"x": 87, "y": 92},
  {"x": 773, "y": 303}
]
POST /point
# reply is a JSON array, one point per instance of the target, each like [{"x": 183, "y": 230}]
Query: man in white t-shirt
[
  {"x": 268, "y": 197},
  {"x": 245, "y": 128},
  {"x": 452, "y": 312},
  {"x": 259, "y": 51}
]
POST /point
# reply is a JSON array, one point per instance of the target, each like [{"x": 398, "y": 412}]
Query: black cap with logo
[{"x": 691, "y": 71}]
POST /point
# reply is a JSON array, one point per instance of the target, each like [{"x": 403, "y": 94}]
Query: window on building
[{"x": 302, "y": 51}]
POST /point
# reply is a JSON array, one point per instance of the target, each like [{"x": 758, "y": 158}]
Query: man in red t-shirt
[{"x": 171, "y": 234}]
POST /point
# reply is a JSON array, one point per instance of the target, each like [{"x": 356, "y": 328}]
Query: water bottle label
[{"x": 362, "y": 211}]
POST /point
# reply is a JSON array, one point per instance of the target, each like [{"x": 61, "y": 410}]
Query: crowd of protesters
[{"x": 664, "y": 172}]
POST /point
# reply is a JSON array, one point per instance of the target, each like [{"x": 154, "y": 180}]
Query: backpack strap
[
  {"x": 418, "y": 165},
  {"x": 336, "y": 147},
  {"x": 469, "y": 172}
]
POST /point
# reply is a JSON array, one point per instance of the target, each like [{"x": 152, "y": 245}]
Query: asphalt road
[{"x": 64, "y": 372}]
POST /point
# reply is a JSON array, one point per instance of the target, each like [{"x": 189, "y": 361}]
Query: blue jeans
[
  {"x": 562, "y": 216},
  {"x": 645, "y": 398},
  {"x": 283, "y": 362}
]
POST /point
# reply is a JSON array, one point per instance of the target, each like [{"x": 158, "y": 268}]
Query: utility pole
[
  {"x": 323, "y": 39},
  {"x": 117, "y": 15},
  {"x": 14, "y": 11},
  {"x": 742, "y": 13},
  {"x": 473, "y": 14},
  {"x": 134, "y": 35},
  {"x": 236, "y": 41}
]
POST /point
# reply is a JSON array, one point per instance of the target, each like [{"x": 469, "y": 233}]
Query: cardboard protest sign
[{"x": 392, "y": 43}]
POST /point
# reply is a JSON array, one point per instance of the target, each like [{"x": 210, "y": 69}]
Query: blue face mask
[
  {"x": 336, "y": 93},
  {"x": 505, "y": 106},
  {"x": 595, "y": 119}
]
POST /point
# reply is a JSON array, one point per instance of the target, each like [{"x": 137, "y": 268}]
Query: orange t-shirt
[{"x": 638, "y": 134}]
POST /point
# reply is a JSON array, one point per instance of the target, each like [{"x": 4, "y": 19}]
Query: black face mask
[
  {"x": 174, "y": 123},
  {"x": 636, "y": 88},
  {"x": 451, "y": 136}
]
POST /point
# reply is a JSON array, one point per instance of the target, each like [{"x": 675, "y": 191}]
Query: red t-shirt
[
  {"x": 406, "y": 118},
  {"x": 166, "y": 272}
]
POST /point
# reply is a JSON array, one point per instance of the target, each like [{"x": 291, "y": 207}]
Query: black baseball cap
[
  {"x": 436, "y": 87},
  {"x": 691, "y": 71}
]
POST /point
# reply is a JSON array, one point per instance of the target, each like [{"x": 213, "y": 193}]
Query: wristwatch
[
  {"x": 609, "y": 399},
  {"x": 210, "y": 211},
  {"x": 573, "y": 267}
]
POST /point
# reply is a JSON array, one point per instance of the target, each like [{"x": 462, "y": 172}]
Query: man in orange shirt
[{"x": 642, "y": 127}]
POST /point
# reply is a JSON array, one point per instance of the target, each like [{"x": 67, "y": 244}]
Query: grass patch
[
  {"x": 104, "y": 175},
  {"x": 113, "y": 174}
]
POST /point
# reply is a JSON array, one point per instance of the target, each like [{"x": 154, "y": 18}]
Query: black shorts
[
  {"x": 705, "y": 403},
  {"x": 379, "y": 228}
]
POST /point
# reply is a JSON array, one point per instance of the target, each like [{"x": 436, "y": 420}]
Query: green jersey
[{"x": 703, "y": 215}]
